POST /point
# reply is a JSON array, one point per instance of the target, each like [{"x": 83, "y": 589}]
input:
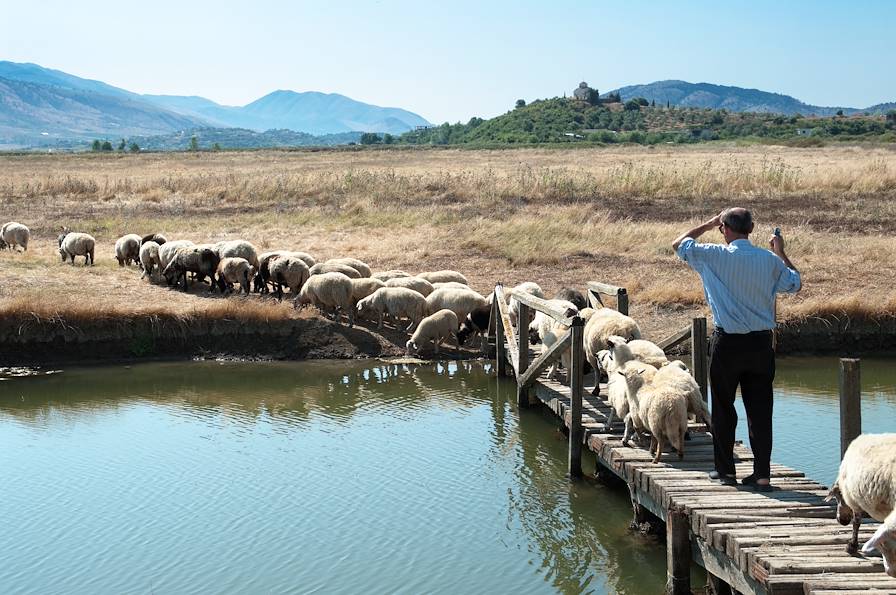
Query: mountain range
[
  {"x": 735, "y": 99},
  {"x": 42, "y": 106}
]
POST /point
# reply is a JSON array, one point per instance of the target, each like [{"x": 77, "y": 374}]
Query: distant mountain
[
  {"x": 39, "y": 105},
  {"x": 735, "y": 99}
]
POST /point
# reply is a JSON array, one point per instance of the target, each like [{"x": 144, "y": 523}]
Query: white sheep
[
  {"x": 149, "y": 258},
  {"x": 443, "y": 277},
  {"x": 127, "y": 249},
  {"x": 436, "y": 328},
  {"x": 153, "y": 237},
  {"x": 363, "y": 287},
  {"x": 676, "y": 374},
  {"x": 290, "y": 271},
  {"x": 542, "y": 323},
  {"x": 237, "y": 249},
  {"x": 75, "y": 243},
  {"x": 14, "y": 234},
  {"x": 602, "y": 324},
  {"x": 421, "y": 286},
  {"x": 459, "y": 301},
  {"x": 329, "y": 291},
  {"x": 356, "y": 264},
  {"x": 398, "y": 302},
  {"x": 866, "y": 485},
  {"x": 391, "y": 274},
  {"x": 527, "y": 287},
  {"x": 233, "y": 269},
  {"x": 454, "y": 284},
  {"x": 169, "y": 249},
  {"x": 661, "y": 406},
  {"x": 335, "y": 267},
  {"x": 636, "y": 374}
]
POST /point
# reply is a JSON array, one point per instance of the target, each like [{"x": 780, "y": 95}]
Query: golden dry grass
[{"x": 558, "y": 217}]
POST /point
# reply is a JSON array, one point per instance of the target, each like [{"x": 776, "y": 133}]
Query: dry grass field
[{"x": 558, "y": 217}]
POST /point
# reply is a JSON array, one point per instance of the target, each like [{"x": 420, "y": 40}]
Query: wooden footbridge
[{"x": 786, "y": 541}]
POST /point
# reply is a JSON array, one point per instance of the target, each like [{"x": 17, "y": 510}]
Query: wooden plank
[
  {"x": 576, "y": 387},
  {"x": 559, "y": 314},
  {"x": 530, "y": 376},
  {"x": 500, "y": 349},
  {"x": 850, "y": 402},
  {"x": 675, "y": 338},
  {"x": 509, "y": 332},
  {"x": 522, "y": 392}
]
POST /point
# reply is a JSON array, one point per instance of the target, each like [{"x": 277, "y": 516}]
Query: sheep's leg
[
  {"x": 456, "y": 345},
  {"x": 659, "y": 448},
  {"x": 629, "y": 427},
  {"x": 681, "y": 447},
  {"x": 593, "y": 361},
  {"x": 379, "y": 325},
  {"x": 610, "y": 417},
  {"x": 652, "y": 444},
  {"x": 852, "y": 548}
]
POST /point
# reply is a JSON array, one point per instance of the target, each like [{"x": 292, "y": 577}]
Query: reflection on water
[{"x": 298, "y": 477}]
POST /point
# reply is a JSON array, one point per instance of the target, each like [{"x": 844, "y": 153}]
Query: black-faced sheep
[
  {"x": 127, "y": 249},
  {"x": 75, "y": 243},
  {"x": 14, "y": 234},
  {"x": 436, "y": 328},
  {"x": 232, "y": 270},
  {"x": 398, "y": 302},
  {"x": 201, "y": 261},
  {"x": 572, "y": 295},
  {"x": 866, "y": 485}
]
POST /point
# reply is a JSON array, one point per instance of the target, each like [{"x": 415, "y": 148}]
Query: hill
[
  {"x": 735, "y": 99},
  {"x": 45, "y": 107}
]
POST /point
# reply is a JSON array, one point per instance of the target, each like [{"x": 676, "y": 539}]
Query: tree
[
  {"x": 122, "y": 145},
  {"x": 216, "y": 147},
  {"x": 107, "y": 146},
  {"x": 134, "y": 148},
  {"x": 653, "y": 103},
  {"x": 96, "y": 146},
  {"x": 632, "y": 105},
  {"x": 388, "y": 139},
  {"x": 840, "y": 112},
  {"x": 641, "y": 101},
  {"x": 194, "y": 143},
  {"x": 891, "y": 115},
  {"x": 593, "y": 96},
  {"x": 370, "y": 138},
  {"x": 520, "y": 103}
]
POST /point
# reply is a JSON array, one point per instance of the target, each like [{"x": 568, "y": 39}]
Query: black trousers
[{"x": 747, "y": 360}]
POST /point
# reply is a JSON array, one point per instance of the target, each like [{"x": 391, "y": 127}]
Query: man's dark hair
[{"x": 738, "y": 220}]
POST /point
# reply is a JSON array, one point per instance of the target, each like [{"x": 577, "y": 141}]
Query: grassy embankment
[{"x": 558, "y": 217}]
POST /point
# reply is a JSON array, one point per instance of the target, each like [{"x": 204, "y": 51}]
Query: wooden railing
[{"x": 595, "y": 290}]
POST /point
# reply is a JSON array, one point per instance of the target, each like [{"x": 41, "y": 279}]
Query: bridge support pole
[
  {"x": 576, "y": 386},
  {"x": 500, "y": 350},
  {"x": 850, "y": 402},
  {"x": 678, "y": 552},
  {"x": 522, "y": 392}
]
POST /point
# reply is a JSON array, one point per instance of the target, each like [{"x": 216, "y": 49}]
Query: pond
[{"x": 333, "y": 477}]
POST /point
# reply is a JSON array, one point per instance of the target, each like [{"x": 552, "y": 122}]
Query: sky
[{"x": 455, "y": 59}]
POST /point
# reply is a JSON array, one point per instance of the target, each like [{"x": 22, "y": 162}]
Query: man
[{"x": 740, "y": 281}]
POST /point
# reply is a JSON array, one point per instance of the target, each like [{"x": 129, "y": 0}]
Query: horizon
[{"x": 479, "y": 69}]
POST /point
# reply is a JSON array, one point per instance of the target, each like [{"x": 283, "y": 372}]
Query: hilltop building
[{"x": 583, "y": 93}]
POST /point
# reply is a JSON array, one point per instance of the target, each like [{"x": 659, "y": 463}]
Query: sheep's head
[
  {"x": 845, "y": 514},
  {"x": 169, "y": 273},
  {"x": 3, "y": 244},
  {"x": 614, "y": 341},
  {"x": 605, "y": 359},
  {"x": 636, "y": 375},
  {"x": 61, "y": 238},
  {"x": 411, "y": 347},
  {"x": 463, "y": 333},
  {"x": 884, "y": 541}
]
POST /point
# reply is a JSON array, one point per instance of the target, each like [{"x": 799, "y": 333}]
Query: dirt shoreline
[{"x": 25, "y": 342}]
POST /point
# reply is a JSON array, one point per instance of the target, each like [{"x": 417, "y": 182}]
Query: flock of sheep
[{"x": 654, "y": 396}]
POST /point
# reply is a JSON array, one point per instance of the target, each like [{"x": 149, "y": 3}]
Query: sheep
[
  {"x": 399, "y": 302},
  {"x": 363, "y": 287},
  {"x": 527, "y": 287},
  {"x": 443, "y": 277},
  {"x": 436, "y": 328},
  {"x": 636, "y": 374},
  {"x": 154, "y": 237},
  {"x": 476, "y": 321},
  {"x": 14, "y": 234},
  {"x": 194, "y": 259},
  {"x": 334, "y": 267},
  {"x": 866, "y": 485},
  {"x": 329, "y": 290},
  {"x": 233, "y": 269},
  {"x": 459, "y": 301},
  {"x": 237, "y": 249},
  {"x": 169, "y": 249},
  {"x": 127, "y": 249},
  {"x": 356, "y": 264},
  {"x": 421, "y": 286},
  {"x": 454, "y": 284},
  {"x": 571, "y": 295},
  {"x": 391, "y": 274},
  {"x": 75, "y": 243},
  {"x": 149, "y": 258},
  {"x": 542, "y": 322},
  {"x": 657, "y": 403},
  {"x": 290, "y": 271},
  {"x": 678, "y": 376},
  {"x": 601, "y": 325}
]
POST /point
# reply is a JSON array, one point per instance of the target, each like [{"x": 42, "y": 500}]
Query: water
[{"x": 335, "y": 477}]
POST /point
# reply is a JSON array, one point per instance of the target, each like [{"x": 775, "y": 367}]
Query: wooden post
[
  {"x": 699, "y": 355},
  {"x": 622, "y": 301},
  {"x": 576, "y": 386},
  {"x": 522, "y": 335},
  {"x": 678, "y": 552},
  {"x": 850, "y": 402},
  {"x": 500, "y": 351}
]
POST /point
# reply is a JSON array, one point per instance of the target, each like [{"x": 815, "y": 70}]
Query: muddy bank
[{"x": 31, "y": 342}]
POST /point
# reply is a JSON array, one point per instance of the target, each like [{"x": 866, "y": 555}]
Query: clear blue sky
[{"x": 455, "y": 59}]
